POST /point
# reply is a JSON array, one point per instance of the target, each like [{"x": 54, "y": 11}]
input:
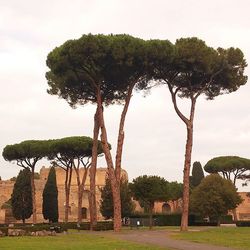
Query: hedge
[
  {"x": 175, "y": 220},
  {"x": 59, "y": 227},
  {"x": 243, "y": 223}
]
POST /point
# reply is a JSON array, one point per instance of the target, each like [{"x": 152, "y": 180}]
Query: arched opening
[
  {"x": 84, "y": 212},
  {"x": 166, "y": 208}
]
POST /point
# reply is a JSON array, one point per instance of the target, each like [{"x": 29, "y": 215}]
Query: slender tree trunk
[
  {"x": 151, "y": 207},
  {"x": 33, "y": 194},
  {"x": 80, "y": 195},
  {"x": 92, "y": 174},
  {"x": 186, "y": 172},
  {"x": 66, "y": 196},
  {"x": 67, "y": 192},
  {"x": 120, "y": 139},
  {"x": 114, "y": 183},
  {"x": 188, "y": 152}
]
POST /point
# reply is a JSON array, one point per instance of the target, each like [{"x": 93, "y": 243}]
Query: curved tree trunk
[
  {"x": 92, "y": 174},
  {"x": 33, "y": 190},
  {"x": 188, "y": 151},
  {"x": 186, "y": 172}
]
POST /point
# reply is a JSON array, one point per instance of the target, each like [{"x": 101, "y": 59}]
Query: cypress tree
[
  {"x": 50, "y": 198},
  {"x": 197, "y": 174},
  {"x": 21, "y": 198}
]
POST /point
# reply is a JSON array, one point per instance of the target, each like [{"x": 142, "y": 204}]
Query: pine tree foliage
[
  {"x": 21, "y": 198},
  {"x": 50, "y": 197}
]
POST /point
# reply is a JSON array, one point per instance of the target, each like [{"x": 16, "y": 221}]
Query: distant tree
[
  {"x": 106, "y": 206},
  {"x": 197, "y": 174},
  {"x": 50, "y": 198},
  {"x": 214, "y": 197},
  {"x": 149, "y": 189},
  {"x": 230, "y": 167},
  {"x": 27, "y": 154},
  {"x": 13, "y": 178},
  {"x": 21, "y": 198},
  {"x": 72, "y": 153},
  {"x": 190, "y": 69},
  {"x": 175, "y": 191}
]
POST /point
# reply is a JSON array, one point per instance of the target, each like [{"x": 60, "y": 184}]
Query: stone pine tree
[
  {"x": 21, "y": 198},
  {"x": 190, "y": 69},
  {"x": 73, "y": 153},
  {"x": 102, "y": 70},
  {"x": 197, "y": 174},
  {"x": 50, "y": 198},
  {"x": 229, "y": 167},
  {"x": 149, "y": 189}
]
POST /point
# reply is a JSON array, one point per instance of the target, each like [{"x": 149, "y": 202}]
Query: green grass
[
  {"x": 235, "y": 237},
  {"x": 69, "y": 242}
]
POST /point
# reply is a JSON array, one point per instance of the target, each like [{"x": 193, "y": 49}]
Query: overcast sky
[{"x": 155, "y": 136}]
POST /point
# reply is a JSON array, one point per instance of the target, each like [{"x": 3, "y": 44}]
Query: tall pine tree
[
  {"x": 21, "y": 198},
  {"x": 50, "y": 198}
]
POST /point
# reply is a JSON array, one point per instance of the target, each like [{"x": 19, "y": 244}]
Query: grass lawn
[
  {"x": 69, "y": 242},
  {"x": 235, "y": 237}
]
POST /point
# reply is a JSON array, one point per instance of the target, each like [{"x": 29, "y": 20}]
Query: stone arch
[{"x": 166, "y": 208}]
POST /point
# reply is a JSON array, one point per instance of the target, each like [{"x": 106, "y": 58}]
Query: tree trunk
[
  {"x": 80, "y": 195},
  {"x": 120, "y": 139},
  {"x": 67, "y": 192},
  {"x": 114, "y": 183},
  {"x": 33, "y": 194},
  {"x": 66, "y": 207},
  {"x": 92, "y": 174},
  {"x": 151, "y": 207},
  {"x": 186, "y": 172},
  {"x": 188, "y": 152}
]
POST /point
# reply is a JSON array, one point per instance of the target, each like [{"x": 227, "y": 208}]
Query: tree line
[
  {"x": 68, "y": 153},
  {"x": 106, "y": 69}
]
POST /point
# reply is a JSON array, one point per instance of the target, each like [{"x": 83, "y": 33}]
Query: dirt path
[{"x": 161, "y": 238}]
